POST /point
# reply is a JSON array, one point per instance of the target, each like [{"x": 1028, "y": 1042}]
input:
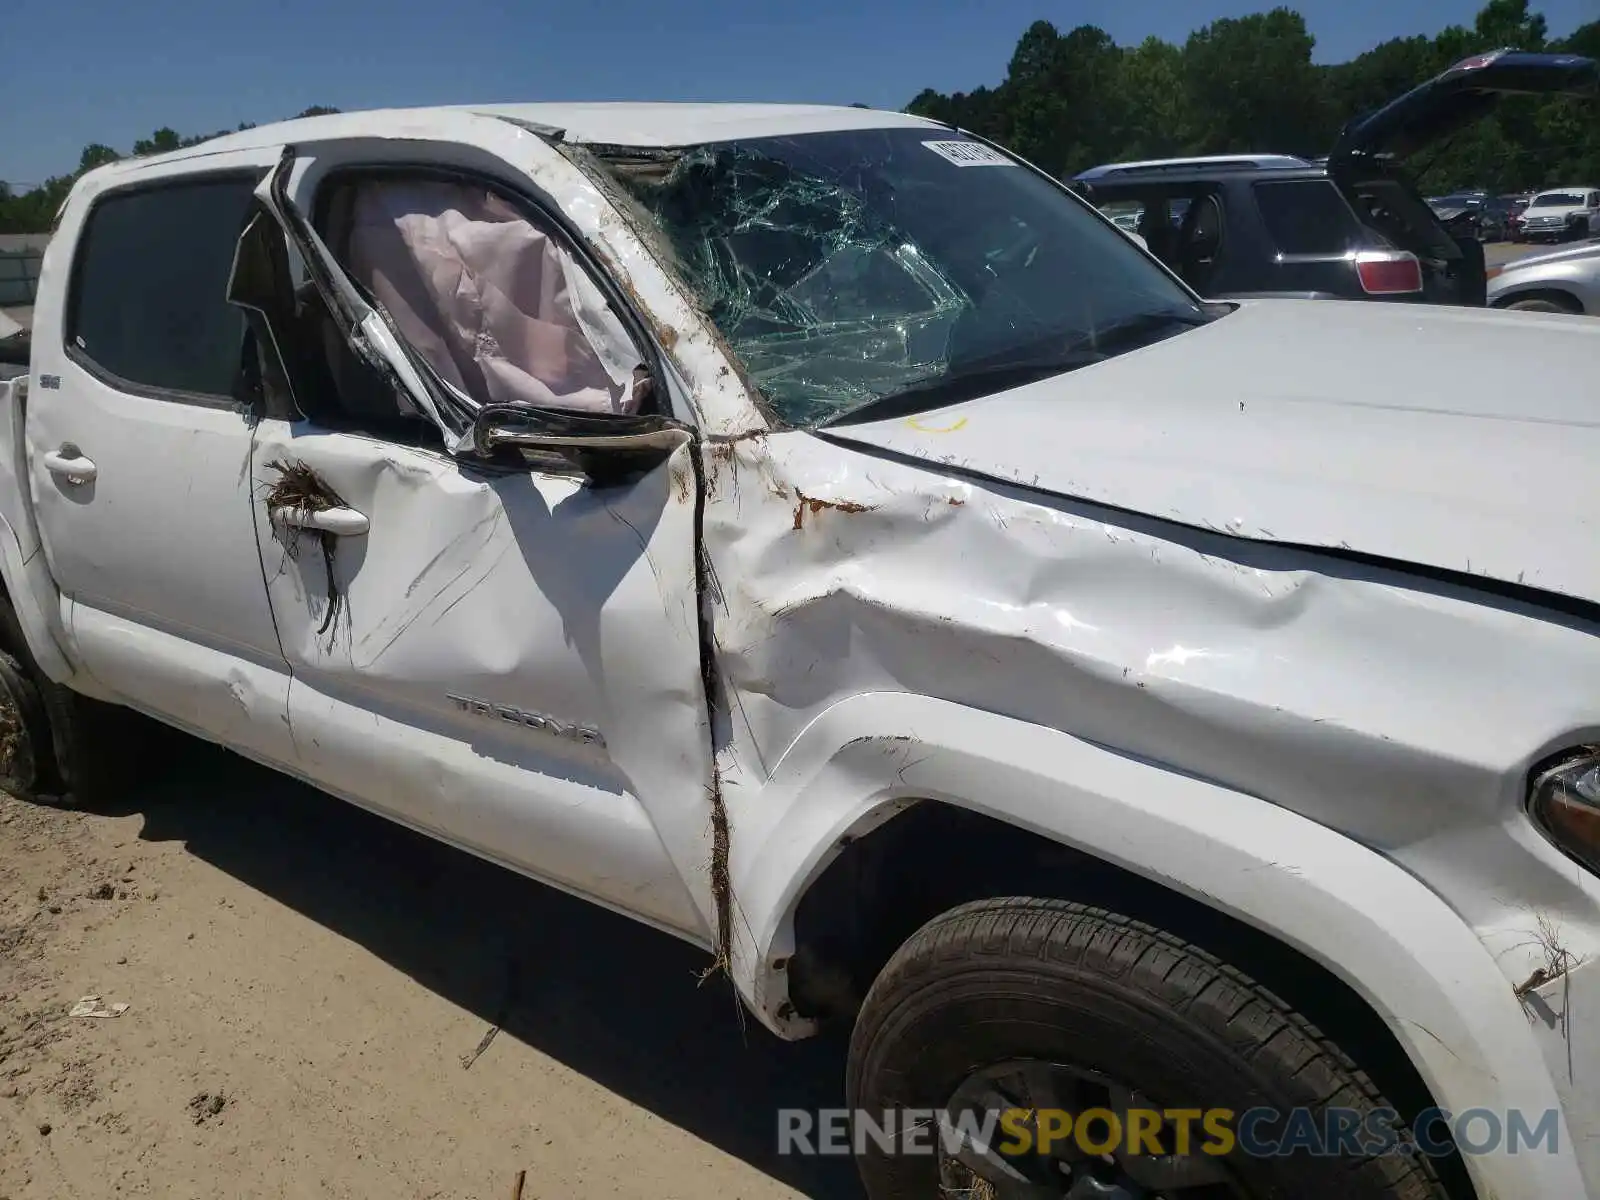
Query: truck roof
[{"x": 616, "y": 123}]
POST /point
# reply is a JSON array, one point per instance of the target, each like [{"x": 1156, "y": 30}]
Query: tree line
[
  {"x": 34, "y": 210},
  {"x": 1248, "y": 84},
  {"x": 1071, "y": 100}
]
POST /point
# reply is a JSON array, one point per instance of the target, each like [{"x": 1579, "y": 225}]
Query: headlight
[{"x": 1565, "y": 803}]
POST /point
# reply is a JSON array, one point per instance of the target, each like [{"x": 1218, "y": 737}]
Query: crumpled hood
[{"x": 1460, "y": 439}]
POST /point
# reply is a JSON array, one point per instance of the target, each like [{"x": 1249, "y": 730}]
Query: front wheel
[{"x": 1060, "y": 1048}]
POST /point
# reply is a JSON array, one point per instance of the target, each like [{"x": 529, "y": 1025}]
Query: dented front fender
[{"x": 1281, "y": 734}]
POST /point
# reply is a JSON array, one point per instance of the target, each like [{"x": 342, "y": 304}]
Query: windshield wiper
[
  {"x": 957, "y": 385},
  {"x": 1014, "y": 368},
  {"x": 1130, "y": 333}
]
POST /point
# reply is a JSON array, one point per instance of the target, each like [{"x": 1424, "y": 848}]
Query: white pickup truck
[{"x": 818, "y": 534}]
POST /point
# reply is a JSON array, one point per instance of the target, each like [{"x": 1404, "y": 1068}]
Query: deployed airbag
[{"x": 498, "y": 309}]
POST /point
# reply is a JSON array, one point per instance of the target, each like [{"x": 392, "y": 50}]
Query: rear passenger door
[{"x": 139, "y": 434}]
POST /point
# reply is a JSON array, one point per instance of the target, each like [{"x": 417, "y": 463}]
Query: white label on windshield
[{"x": 969, "y": 154}]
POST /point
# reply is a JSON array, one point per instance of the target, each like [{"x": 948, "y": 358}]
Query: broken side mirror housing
[{"x": 606, "y": 447}]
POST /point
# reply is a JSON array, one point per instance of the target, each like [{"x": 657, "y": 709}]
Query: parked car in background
[
  {"x": 1292, "y": 232},
  {"x": 1561, "y": 215},
  {"x": 1565, "y": 280},
  {"x": 1451, "y": 207},
  {"x": 1486, "y": 217},
  {"x": 1353, "y": 227},
  {"x": 1518, "y": 208},
  {"x": 1497, "y": 214},
  {"x": 1128, "y": 222},
  {"x": 1125, "y": 216},
  {"x": 1461, "y": 215}
]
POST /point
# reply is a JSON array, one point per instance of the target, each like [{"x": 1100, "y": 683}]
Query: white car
[
  {"x": 1566, "y": 280},
  {"x": 1128, "y": 223},
  {"x": 1560, "y": 215},
  {"x": 821, "y": 536}
]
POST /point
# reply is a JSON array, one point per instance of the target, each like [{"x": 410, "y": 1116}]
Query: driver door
[{"x": 500, "y": 651}]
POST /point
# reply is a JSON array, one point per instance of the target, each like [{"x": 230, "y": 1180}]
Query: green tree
[
  {"x": 1158, "y": 121},
  {"x": 1251, "y": 85},
  {"x": 1511, "y": 23},
  {"x": 162, "y": 141},
  {"x": 1379, "y": 75},
  {"x": 1239, "y": 84},
  {"x": 96, "y": 155},
  {"x": 1063, "y": 97}
]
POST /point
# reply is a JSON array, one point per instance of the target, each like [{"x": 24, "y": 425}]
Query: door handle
[
  {"x": 341, "y": 522},
  {"x": 69, "y": 464}
]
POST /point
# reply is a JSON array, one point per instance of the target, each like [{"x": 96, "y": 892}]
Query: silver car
[{"x": 1565, "y": 280}]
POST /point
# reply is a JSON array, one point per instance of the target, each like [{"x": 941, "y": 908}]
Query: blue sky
[{"x": 79, "y": 71}]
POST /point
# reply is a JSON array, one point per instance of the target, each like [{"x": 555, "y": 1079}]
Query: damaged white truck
[{"x": 819, "y": 535}]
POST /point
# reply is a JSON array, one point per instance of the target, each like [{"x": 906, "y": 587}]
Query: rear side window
[
  {"x": 1308, "y": 217},
  {"x": 149, "y": 302}
]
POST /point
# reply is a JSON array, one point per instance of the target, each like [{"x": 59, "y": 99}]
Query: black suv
[{"x": 1351, "y": 226}]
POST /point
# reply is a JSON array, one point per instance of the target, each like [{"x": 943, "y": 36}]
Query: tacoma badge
[{"x": 584, "y": 734}]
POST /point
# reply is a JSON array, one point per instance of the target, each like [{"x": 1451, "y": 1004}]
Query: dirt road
[
  {"x": 1498, "y": 254},
  {"x": 303, "y": 981}
]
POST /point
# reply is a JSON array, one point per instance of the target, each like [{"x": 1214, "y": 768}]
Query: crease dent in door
[{"x": 661, "y": 746}]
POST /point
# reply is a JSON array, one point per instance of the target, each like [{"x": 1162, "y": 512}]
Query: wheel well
[
  {"x": 884, "y": 886},
  {"x": 1554, "y": 295}
]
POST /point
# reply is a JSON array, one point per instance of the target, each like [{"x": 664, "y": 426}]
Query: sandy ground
[
  {"x": 1498, "y": 254},
  {"x": 304, "y": 981}
]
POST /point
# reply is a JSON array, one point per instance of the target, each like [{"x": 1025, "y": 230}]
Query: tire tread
[{"x": 1192, "y": 984}]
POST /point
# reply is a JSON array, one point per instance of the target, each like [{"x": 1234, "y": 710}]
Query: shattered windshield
[{"x": 847, "y": 268}]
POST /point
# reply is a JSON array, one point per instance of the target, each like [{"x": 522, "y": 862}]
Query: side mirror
[{"x": 606, "y": 447}]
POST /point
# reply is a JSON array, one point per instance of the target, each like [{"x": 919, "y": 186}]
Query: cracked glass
[{"x": 846, "y": 267}]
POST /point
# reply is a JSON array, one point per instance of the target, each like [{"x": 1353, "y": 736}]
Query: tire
[
  {"x": 84, "y": 753},
  {"x": 1542, "y": 304},
  {"x": 25, "y": 758},
  {"x": 1048, "y": 981}
]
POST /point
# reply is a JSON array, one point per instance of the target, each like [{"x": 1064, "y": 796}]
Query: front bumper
[{"x": 1555, "y": 232}]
